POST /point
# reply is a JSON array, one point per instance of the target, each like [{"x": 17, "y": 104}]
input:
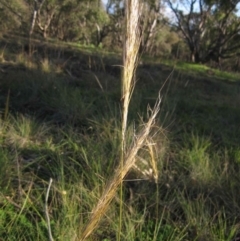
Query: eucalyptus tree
[
  {"x": 67, "y": 19},
  {"x": 80, "y": 20},
  {"x": 151, "y": 22},
  {"x": 13, "y": 15},
  {"x": 224, "y": 32},
  {"x": 43, "y": 13},
  {"x": 210, "y": 28},
  {"x": 193, "y": 24}
]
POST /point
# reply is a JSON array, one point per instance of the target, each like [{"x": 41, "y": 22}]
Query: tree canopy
[{"x": 210, "y": 28}]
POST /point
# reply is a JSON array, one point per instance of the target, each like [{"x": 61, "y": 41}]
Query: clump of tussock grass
[
  {"x": 23, "y": 59},
  {"x": 25, "y": 131},
  {"x": 46, "y": 65},
  {"x": 205, "y": 168},
  {"x": 198, "y": 161}
]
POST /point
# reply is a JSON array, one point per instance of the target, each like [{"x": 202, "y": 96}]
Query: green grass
[
  {"x": 203, "y": 71},
  {"x": 64, "y": 125}
]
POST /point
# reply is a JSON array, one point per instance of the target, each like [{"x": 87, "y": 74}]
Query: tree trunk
[
  {"x": 33, "y": 18},
  {"x": 193, "y": 57},
  {"x": 45, "y": 33},
  {"x": 149, "y": 35}
]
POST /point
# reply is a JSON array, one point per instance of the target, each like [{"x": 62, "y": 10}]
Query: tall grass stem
[{"x": 130, "y": 57}]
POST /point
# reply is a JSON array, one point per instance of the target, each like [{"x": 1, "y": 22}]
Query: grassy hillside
[{"x": 61, "y": 119}]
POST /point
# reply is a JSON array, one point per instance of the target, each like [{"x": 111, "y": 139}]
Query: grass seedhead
[
  {"x": 25, "y": 131},
  {"x": 45, "y": 65},
  {"x": 130, "y": 56}
]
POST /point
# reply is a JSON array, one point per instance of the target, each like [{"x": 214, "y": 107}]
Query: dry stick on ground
[
  {"x": 120, "y": 173},
  {"x": 46, "y": 211}
]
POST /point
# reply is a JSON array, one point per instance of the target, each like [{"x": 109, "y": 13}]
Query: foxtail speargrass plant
[{"x": 128, "y": 155}]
